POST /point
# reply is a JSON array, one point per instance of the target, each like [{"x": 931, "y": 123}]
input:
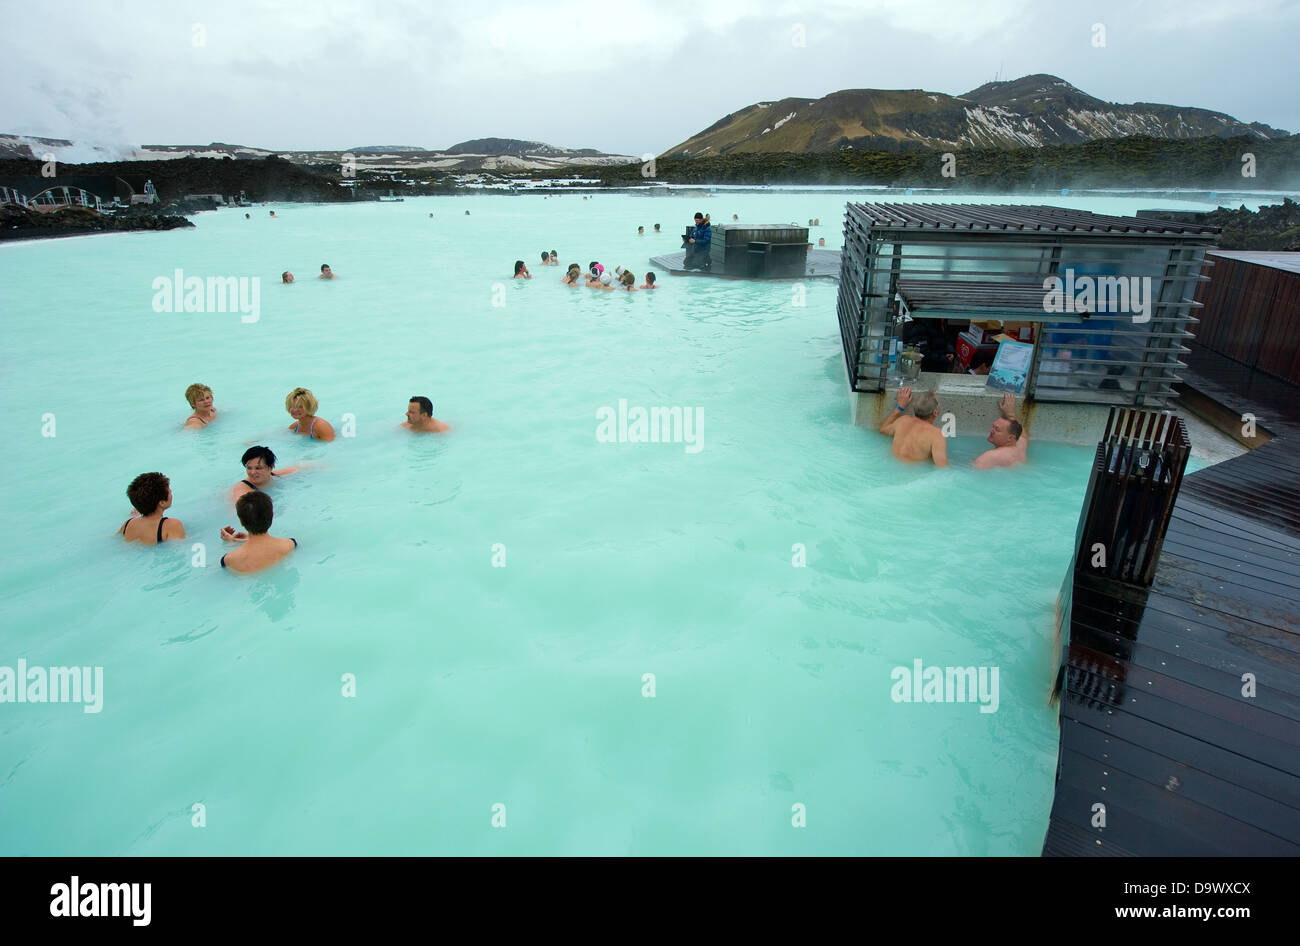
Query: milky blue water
[{"x": 499, "y": 594}]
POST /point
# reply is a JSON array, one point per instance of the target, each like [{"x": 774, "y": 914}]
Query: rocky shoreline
[{"x": 19, "y": 223}]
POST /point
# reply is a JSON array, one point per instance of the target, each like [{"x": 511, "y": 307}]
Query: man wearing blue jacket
[{"x": 698, "y": 244}]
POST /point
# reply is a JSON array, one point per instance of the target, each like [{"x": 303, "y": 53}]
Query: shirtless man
[
  {"x": 1010, "y": 442},
  {"x": 915, "y": 437},
  {"x": 419, "y": 417},
  {"x": 326, "y": 272},
  {"x": 258, "y": 549},
  {"x": 200, "y": 398}
]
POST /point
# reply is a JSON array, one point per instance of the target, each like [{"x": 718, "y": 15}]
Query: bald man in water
[{"x": 916, "y": 439}]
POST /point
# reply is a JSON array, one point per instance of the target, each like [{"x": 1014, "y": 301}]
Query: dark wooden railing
[{"x": 1135, "y": 478}]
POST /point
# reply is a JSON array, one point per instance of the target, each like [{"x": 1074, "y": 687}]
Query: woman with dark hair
[
  {"x": 521, "y": 270},
  {"x": 258, "y": 548},
  {"x": 259, "y": 467},
  {"x": 151, "y": 496},
  {"x": 572, "y": 276}
]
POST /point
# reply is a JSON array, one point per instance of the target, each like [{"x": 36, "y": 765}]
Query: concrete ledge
[{"x": 974, "y": 406}]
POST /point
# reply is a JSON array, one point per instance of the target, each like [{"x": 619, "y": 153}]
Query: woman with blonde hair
[
  {"x": 200, "y": 398},
  {"x": 301, "y": 405}
]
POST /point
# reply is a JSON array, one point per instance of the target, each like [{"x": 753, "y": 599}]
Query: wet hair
[
  {"x": 650, "y": 278},
  {"x": 255, "y": 512},
  {"x": 147, "y": 491},
  {"x": 545, "y": 256},
  {"x": 640, "y": 229},
  {"x": 656, "y": 226},
  {"x": 426, "y": 405},
  {"x": 284, "y": 276},
  {"x": 1014, "y": 428},
  {"x": 555, "y": 253},
  {"x": 258, "y": 453},
  {"x": 925, "y": 404},
  {"x": 301, "y": 397},
  {"x": 519, "y": 264},
  {"x": 574, "y": 268},
  {"x": 324, "y": 266},
  {"x": 193, "y": 393},
  {"x": 628, "y": 278}
]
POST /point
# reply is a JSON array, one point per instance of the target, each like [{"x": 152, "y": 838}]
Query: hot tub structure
[{"x": 756, "y": 251}]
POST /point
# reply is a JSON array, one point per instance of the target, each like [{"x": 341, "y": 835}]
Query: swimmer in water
[
  {"x": 546, "y": 258},
  {"x": 200, "y": 398},
  {"x": 326, "y": 272},
  {"x": 649, "y": 281},
  {"x": 521, "y": 270},
  {"x": 420, "y": 419},
  {"x": 656, "y": 228},
  {"x": 1010, "y": 442},
  {"x": 258, "y": 549},
  {"x": 555, "y": 258},
  {"x": 640, "y": 231},
  {"x": 151, "y": 496},
  {"x": 915, "y": 436},
  {"x": 572, "y": 276},
  {"x": 604, "y": 282},
  {"x": 286, "y": 277},
  {"x": 272, "y": 213},
  {"x": 259, "y": 463},
  {"x": 628, "y": 281},
  {"x": 301, "y": 405}
]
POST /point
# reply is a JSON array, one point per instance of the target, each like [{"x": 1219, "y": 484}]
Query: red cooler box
[{"x": 967, "y": 346}]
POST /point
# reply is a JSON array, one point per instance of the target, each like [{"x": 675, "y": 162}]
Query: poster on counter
[{"x": 1010, "y": 368}]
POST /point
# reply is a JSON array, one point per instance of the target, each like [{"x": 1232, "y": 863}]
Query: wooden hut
[{"x": 1012, "y": 266}]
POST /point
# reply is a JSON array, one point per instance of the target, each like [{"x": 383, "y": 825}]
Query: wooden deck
[
  {"x": 1154, "y": 723},
  {"x": 822, "y": 264}
]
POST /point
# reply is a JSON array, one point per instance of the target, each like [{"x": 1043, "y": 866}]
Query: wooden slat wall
[{"x": 1252, "y": 315}]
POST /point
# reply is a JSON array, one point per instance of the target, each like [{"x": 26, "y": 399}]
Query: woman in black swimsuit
[
  {"x": 259, "y": 467},
  {"x": 151, "y": 496}
]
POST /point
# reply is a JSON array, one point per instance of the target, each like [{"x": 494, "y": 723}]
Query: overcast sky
[{"x": 626, "y": 78}]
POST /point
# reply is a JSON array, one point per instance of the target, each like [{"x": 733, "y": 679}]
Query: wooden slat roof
[{"x": 1016, "y": 217}]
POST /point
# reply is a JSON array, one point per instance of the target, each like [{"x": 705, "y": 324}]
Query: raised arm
[
  {"x": 904, "y": 398},
  {"x": 1007, "y": 407}
]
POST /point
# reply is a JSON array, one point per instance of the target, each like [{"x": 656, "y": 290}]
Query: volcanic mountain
[{"x": 1032, "y": 111}]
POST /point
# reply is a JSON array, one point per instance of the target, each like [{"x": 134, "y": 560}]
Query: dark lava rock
[{"x": 19, "y": 223}]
